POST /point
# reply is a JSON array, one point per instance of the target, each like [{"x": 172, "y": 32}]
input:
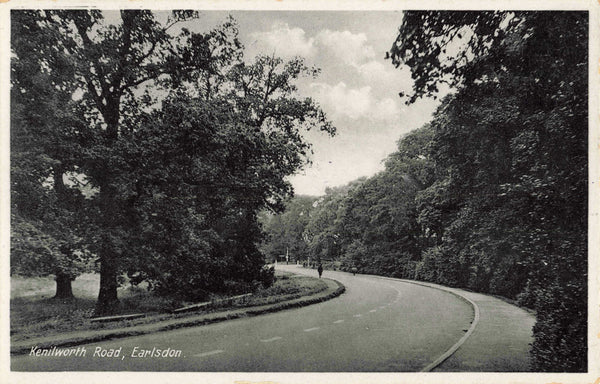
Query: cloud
[
  {"x": 342, "y": 101},
  {"x": 285, "y": 41},
  {"x": 386, "y": 109},
  {"x": 352, "y": 50},
  {"x": 342, "y": 52},
  {"x": 386, "y": 76},
  {"x": 343, "y": 49},
  {"x": 349, "y": 47}
]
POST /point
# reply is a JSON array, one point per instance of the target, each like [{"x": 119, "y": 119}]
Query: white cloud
[
  {"x": 354, "y": 51},
  {"x": 349, "y": 47},
  {"x": 342, "y": 101},
  {"x": 285, "y": 41},
  {"x": 386, "y": 109},
  {"x": 344, "y": 48},
  {"x": 386, "y": 76}
]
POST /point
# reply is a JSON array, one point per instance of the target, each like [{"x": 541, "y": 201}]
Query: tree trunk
[
  {"x": 110, "y": 210},
  {"x": 109, "y": 259},
  {"x": 63, "y": 280},
  {"x": 107, "y": 298},
  {"x": 63, "y": 286}
]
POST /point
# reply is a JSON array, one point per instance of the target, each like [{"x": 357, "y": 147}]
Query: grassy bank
[{"x": 35, "y": 313}]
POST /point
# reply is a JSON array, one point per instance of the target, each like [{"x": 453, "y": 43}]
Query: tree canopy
[
  {"x": 180, "y": 141},
  {"x": 513, "y": 141},
  {"x": 47, "y": 213}
]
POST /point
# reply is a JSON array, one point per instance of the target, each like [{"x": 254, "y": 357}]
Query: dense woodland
[
  {"x": 491, "y": 195},
  {"x": 143, "y": 149}
]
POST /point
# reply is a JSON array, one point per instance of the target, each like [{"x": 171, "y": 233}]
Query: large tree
[
  {"x": 183, "y": 140},
  {"x": 113, "y": 63},
  {"x": 510, "y": 207},
  {"x": 47, "y": 129},
  {"x": 377, "y": 222}
]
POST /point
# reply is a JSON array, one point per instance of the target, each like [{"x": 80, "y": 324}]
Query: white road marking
[
  {"x": 271, "y": 339},
  {"x": 215, "y": 352},
  {"x": 382, "y": 307},
  {"x": 338, "y": 321},
  {"x": 359, "y": 315},
  {"x": 373, "y": 310},
  {"x": 311, "y": 329}
]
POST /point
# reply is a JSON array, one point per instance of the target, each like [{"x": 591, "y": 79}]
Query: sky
[{"x": 357, "y": 87}]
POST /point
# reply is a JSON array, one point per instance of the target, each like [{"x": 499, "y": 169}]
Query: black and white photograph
[{"x": 298, "y": 193}]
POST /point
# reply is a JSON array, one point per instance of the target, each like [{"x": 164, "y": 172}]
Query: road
[{"x": 376, "y": 326}]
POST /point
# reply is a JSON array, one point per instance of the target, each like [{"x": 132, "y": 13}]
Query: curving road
[{"x": 378, "y": 325}]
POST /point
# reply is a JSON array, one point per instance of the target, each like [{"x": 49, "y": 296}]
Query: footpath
[
  {"x": 499, "y": 339},
  {"x": 69, "y": 339},
  {"x": 499, "y": 343}
]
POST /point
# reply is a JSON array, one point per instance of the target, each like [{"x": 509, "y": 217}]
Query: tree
[
  {"x": 244, "y": 141},
  {"x": 227, "y": 134},
  {"x": 510, "y": 209},
  {"x": 321, "y": 232},
  {"x": 196, "y": 211},
  {"x": 112, "y": 64},
  {"x": 47, "y": 208},
  {"x": 119, "y": 58},
  {"x": 285, "y": 231},
  {"x": 378, "y": 222}
]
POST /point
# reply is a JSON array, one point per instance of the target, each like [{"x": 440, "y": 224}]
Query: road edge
[
  {"x": 24, "y": 347},
  {"x": 462, "y": 340}
]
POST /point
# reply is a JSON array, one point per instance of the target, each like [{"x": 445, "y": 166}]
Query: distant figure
[
  {"x": 320, "y": 269},
  {"x": 354, "y": 270}
]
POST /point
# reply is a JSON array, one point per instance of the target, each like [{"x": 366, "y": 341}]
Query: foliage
[
  {"x": 198, "y": 205},
  {"x": 47, "y": 210},
  {"x": 376, "y": 223},
  {"x": 508, "y": 213},
  {"x": 321, "y": 231},
  {"x": 284, "y": 233},
  {"x": 444, "y": 48},
  {"x": 181, "y": 142}
]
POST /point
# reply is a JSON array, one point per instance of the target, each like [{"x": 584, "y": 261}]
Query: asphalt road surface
[{"x": 376, "y": 326}]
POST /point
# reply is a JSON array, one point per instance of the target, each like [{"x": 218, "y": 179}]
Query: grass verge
[{"x": 34, "y": 316}]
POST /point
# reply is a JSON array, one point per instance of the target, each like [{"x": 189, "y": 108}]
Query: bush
[{"x": 267, "y": 276}]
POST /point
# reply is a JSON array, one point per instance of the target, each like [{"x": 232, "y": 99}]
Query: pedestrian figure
[
  {"x": 354, "y": 270},
  {"x": 320, "y": 269}
]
